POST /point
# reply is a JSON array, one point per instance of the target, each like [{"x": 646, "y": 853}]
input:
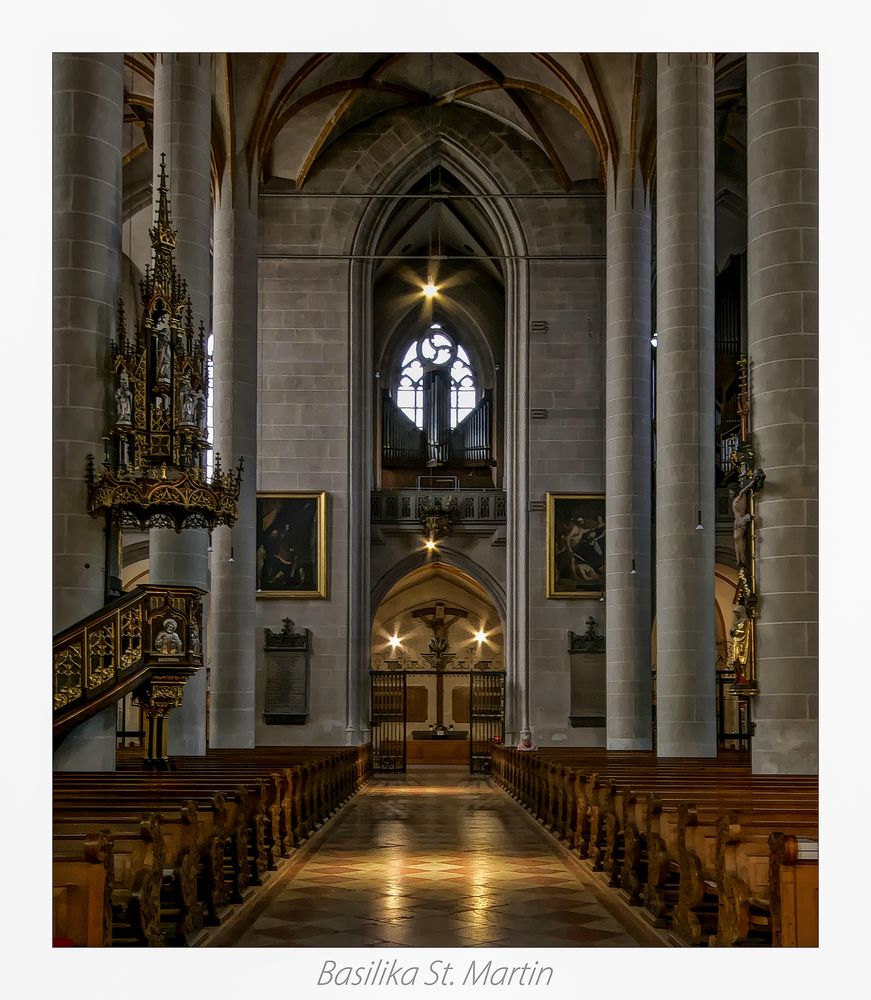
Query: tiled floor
[{"x": 434, "y": 858}]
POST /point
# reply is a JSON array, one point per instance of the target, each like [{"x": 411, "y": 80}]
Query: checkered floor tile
[{"x": 434, "y": 858}]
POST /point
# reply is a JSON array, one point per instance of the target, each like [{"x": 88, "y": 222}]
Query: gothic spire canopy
[{"x": 154, "y": 471}]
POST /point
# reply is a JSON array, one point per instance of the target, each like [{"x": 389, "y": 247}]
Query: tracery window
[
  {"x": 435, "y": 350},
  {"x": 210, "y": 415}
]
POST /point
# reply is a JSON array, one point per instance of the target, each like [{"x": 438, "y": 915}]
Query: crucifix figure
[{"x": 437, "y": 619}]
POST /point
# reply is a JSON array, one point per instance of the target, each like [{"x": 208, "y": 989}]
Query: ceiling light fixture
[
  {"x": 395, "y": 641},
  {"x": 480, "y": 636}
]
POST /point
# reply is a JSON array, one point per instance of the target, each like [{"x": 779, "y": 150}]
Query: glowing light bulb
[
  {"x": 395, "y": 641},
  {"x": 430, "y": 544},
  {"x": 480, "y": 636},
  {"x": 429, "y": 289}
]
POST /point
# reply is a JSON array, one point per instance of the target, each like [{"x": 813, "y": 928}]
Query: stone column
[
  {"x": 627, "y": 461},
  {"x": 685, "y": 654},
  {"x": 233, "y": 660},
  {"x": 517, "y": 713},
  {"x": 88, "y": 111},
  {"x": 182, "y": 131},
  {"x": 783, "y": 282}
]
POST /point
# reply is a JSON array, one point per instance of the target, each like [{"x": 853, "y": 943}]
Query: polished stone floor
[{"x": 433, "y": 858}]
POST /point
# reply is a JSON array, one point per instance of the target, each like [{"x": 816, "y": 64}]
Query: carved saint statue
[
  {"x": 168, "y": 640},
  {"x": 742, "y": 516},
  {"x": 188, "y": 403},
  {"x": 124, "y": 402},
  {"x": 740, "y": 633},
  {"x": 194, "y": 640},
  {"x": 200, "y": 408},
  {"x": 163, "y": 361}
]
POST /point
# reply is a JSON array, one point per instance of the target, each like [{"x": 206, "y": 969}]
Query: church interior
[{"x": 435, "y": 500}]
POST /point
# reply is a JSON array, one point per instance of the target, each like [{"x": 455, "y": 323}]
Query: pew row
[
  {"x": 697, "y": 844},
  {"x": 176, "y": 848}
]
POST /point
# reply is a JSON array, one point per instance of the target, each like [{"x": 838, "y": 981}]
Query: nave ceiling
[{"x": 281, "y": 113}]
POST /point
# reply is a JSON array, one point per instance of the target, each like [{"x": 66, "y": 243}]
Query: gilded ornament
[{"x": 155, "y": 476}]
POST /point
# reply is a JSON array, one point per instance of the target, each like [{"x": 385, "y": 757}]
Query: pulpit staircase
[{"x": 126, "y": 646}]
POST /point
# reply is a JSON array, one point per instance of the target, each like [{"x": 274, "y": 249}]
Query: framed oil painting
[
  {"x": 292, "y": 545},
  {"x": 575, "y": 544}
]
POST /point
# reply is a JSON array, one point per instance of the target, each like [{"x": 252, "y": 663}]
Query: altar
[{"x": 431, "y": 747}]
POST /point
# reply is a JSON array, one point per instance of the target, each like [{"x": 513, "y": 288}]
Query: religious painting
[
  {"x": 292, "y": 545},
  {"x": 575, "y": 544}
]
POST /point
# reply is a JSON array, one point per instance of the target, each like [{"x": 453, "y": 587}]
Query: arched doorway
[{"x": 437, "y": 672}]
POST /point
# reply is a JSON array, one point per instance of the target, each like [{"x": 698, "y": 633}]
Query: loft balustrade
[
  {"x": 481, "y": 508},
  {"x": 149, "y": 641}
]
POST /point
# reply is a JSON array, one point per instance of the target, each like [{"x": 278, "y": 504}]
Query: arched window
[
  {"x": 436, "y": 349},
  {"x": 210, "y": 414}
]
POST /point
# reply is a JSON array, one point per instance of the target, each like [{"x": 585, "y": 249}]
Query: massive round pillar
[
  {"x": 685, "y": 655},
  {"x": 783, "y": 283},
  {"x": 88, "y": 110},
  {"x": 232, "y": 718},
  {"x": 182, "y": 134},
  {"x": 627, "y": 461}
]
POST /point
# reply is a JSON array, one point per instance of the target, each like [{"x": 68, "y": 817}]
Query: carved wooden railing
[
  {"x": 403, "y": 443},
  {"x": 471, "y": 439},
  {"x": 126, "y": 645}
]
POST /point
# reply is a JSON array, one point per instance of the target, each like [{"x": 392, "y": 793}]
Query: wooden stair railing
[{"x": 148, "y": 641}]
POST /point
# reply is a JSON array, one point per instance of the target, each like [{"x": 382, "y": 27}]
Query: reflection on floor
[{"x": 433, "y": 858}]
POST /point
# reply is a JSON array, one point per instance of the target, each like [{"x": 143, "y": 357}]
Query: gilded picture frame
[
  {"x": 575, "y": 545},
  {"x": 291, "y": 548}
]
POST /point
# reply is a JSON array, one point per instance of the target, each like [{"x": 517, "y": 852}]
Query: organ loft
[{"x": 435, "y": 438}]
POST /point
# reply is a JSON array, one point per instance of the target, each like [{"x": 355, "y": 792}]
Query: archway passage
[{"x": 437, "y": 678}]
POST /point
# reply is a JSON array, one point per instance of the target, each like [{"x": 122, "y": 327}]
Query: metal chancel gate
[
  {"x": 486, "y": 718},
  {"x": 389, "y": 718},
  {"x": 388, "y": 721}
]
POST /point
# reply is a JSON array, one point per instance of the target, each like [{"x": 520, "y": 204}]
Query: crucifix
[{"x": 436, "y": 618}]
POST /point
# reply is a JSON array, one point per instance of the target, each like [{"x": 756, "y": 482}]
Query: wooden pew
[
  {"x": 650, "y": 827},
  {"x": 81, "y": 889},
  {"x": 224, "y": 820},
  {"x": 746, "y": 907},
  {"x": 793, "y": 890},
  {"x": 136, "y": 876}
]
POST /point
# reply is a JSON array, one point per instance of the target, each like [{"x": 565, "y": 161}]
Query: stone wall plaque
[{"x": 288, "y": 656}]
